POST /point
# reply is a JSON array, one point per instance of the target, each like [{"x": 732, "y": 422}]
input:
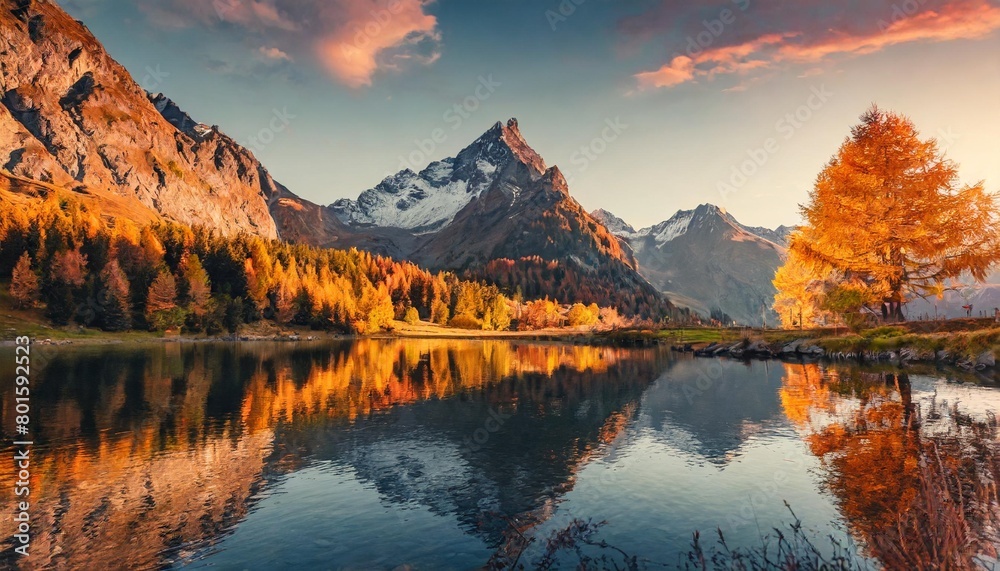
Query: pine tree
[
  {"x": 161, "y": 302},
  {"x": 68, "y": 274},
  {"x": 199, "y": 287},
  {"x": 162, "y": 294},
  {"x": 24, "y": 283},
  {"x": 117, "y": 309}
]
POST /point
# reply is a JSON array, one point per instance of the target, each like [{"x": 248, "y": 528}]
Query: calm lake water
[{"x": 427, "y": 454}]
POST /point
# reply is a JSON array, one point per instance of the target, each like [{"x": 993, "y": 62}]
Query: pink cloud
[
  {"x": 959, "y": 19},
  {"x": 679, "y": 70},
  {"x": 273, "y": 54},
  {"x": 378, "y": 36},
  {"x": 353, "y": 40}
]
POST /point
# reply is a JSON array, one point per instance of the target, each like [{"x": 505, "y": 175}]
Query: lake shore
[
  {"x": 966, "y": 344},
  {"x": 969, "y": 344},
  {"x": 75, "y": 335}
]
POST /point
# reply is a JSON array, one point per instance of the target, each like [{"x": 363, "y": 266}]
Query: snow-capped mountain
[
  {"x": 426, "y": 201},
  {"x": 494, "y": 212},
  {"x": 706, "y": 260},
  {"x": 613, "y": 223}
]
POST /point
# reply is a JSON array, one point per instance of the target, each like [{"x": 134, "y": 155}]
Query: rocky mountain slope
[
  {"x": 72, "y": 116},
  {"x": 429, "y": 200},
  {"x": 706, "y": 260},
  {"x": 496, "y": 212}
]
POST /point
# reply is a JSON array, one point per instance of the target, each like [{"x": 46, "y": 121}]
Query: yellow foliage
[{"x": 889, "y": 211}]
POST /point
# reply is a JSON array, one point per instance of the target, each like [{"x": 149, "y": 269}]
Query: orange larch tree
[{"x": 888, "y": 211}]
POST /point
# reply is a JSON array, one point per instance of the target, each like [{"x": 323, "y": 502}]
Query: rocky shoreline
[{"x": 811, "y": 349}]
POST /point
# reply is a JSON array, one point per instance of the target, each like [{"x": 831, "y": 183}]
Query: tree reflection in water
[
  {"x": 917, "y": 483},
  {"x": 146, "y": 457}
]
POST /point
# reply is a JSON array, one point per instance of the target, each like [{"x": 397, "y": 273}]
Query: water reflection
[
  {"x": 144, "y": 457},
  {"x": 915, "y": 475},
  {"x": 712, "y": 408},
  {"x": 374, "y": 453}
]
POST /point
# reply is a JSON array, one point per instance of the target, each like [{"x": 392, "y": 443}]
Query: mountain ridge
[
  {"x": 71, "y": 115},
  {"x": 706, "y": 260}
]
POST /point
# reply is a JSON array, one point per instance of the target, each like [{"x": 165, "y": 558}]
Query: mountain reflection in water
[{"x": 377, "y": 453}]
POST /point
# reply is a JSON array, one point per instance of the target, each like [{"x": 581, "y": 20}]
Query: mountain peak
[
  {"x": 509, "y": 138},
  {"x": 177, "y": 117},
  {"x": 613, "y": 223},
  {"x": 428, "y": 200}
]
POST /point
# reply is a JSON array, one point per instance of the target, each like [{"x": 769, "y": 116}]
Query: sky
[{"x": 647, "y": 106}]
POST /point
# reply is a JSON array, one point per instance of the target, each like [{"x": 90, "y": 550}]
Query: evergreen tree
[
  {"x": 24, "y": 283},
  {"x": 161, "y": 303},
  {"x": 67, "y": 276},
  {"x": 117, "y": 309},
  {"x": 198, "y": 285}
]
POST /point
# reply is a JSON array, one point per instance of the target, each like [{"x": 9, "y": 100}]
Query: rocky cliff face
[{"x": 72, "y": 116}]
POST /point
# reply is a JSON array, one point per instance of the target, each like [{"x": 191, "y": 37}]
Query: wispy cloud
[
  {"x": 353, "y": 40},
  {"x": 804, "y": 37},
  {"x": 273, "y": 54}
]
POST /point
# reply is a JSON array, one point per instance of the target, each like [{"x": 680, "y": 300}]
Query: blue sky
[{"x": 647, "y": 106}]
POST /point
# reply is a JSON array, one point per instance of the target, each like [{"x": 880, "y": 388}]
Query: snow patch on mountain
[
  {"x": 420, "y": 202},
  {"x": 426, "y": 202},
  {"x": 673, "y": 228},
  {"x": 614, "y": 224}
]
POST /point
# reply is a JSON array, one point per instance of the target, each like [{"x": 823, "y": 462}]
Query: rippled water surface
[{"x": 430, "y": 454}]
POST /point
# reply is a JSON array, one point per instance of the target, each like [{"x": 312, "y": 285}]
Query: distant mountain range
[{"x": 704, "y": 259}]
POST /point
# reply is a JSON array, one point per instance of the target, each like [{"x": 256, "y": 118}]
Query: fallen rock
[
  {"x": 792, "y": 347},
  {"x": 813, "y": 351},
  {"x": 708, "y": 351}
]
